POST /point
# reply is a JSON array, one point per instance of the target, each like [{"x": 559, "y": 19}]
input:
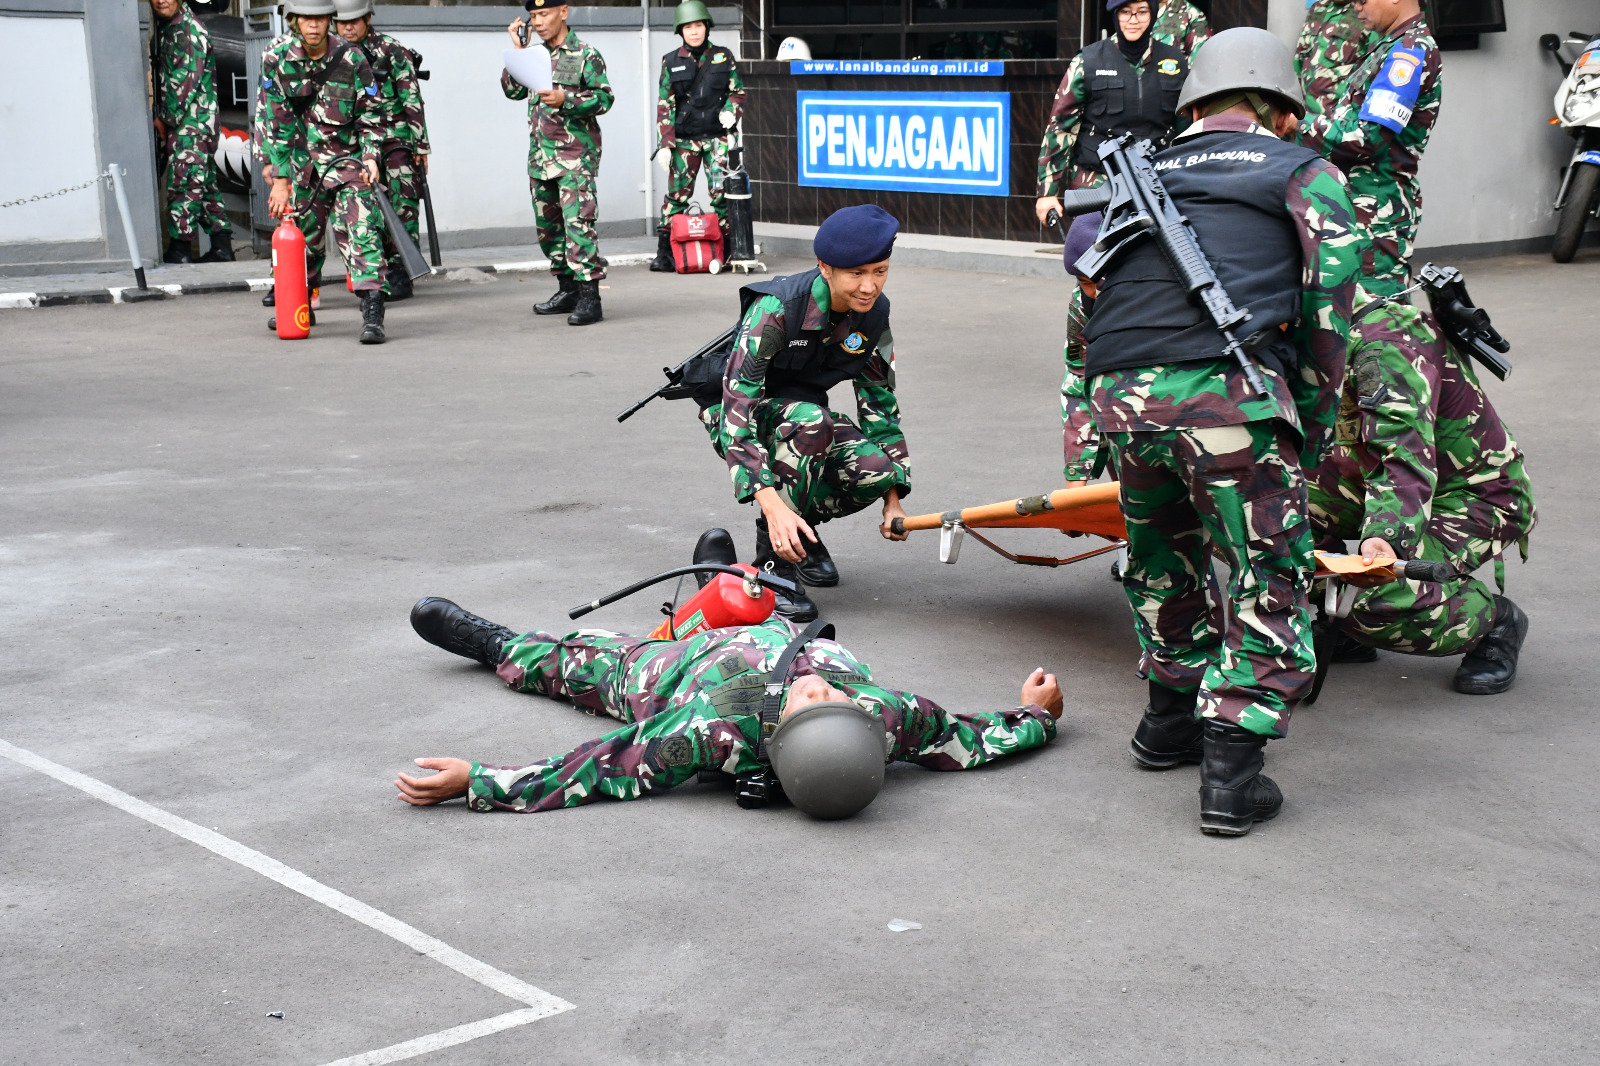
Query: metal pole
[
  {"x": 649, "y": 120},
  {"x": 763, "y": 29},
  {"x": 116, "y": 172}
]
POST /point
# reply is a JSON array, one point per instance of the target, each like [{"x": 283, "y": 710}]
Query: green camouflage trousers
[
  {"x": 402, "y": 180},
  {"x": 193, "y": 203},
  {"x": 565, "y": 210},
  {"x": 825, "y": 466},
  {"x": 1237, "y": 490},
  {"x": 357, "y": 231},
  {"x": 686, "y": 159},
  {"x": 1415, "y": 617}
]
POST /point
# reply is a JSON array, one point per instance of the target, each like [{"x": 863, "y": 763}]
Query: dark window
[{"x": 1449, "y": 18}]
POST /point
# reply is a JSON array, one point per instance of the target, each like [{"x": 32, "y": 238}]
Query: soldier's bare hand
[
  {"x": 514, "y": 29},
  {"x": 371, "y": 167},
  {"x": 1044, "y": 205},
  {"x": 1041, "y": 690},
  {"x": 891, "y": 511},
  {"x": 279, "y": 200},
  {"x": 1377, "y": 548},
  {"x": 447, "y": 784},
  {"x": 784, "y": 528},
  {"x": 161, "y": 131},
  {"x": 552, "y": 98}
]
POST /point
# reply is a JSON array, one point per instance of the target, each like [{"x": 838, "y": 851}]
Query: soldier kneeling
[{"x": 1424, "y": 468}]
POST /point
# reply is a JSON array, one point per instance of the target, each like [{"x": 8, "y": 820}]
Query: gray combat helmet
[
  {"x": 829, "y": 758},
  {"x": 350, "y": 10},
  {"x": 313, "y": 8},
  {"x": 1243, "y": 60}
]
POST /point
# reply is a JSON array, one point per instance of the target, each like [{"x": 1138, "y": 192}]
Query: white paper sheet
[{"x": 530, "y": 66}]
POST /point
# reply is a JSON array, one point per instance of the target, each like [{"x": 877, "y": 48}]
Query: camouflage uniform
[
  {"x": 318, "y": 137},
  {"x": 181, "y": 72},
  {"x": 1377, "y": 139},
  {"x": 1207, "y": 466},
  {"x": 687, "y": 155},
  {"x": 1182, "y": 25},
  {"x": 1082, "y": 452},
  {"x": 822, "y": 464},
  {"x": 1423, "y": 461},
  {"x": 686, "y": 710},
  {"x": 564, "y": 157},
  {"x": 1330, "y": 44},
  {"x": 405, "y": 128}
]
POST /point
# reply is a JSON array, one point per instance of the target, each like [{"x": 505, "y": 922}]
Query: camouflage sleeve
[
  {"x": 734, "y": 104},
  {"x": 370, "y": 127},
  {"x": 593, "y": 96},
  {"x": 666, "y": 111},
  {"x": 877, "y": 408},
  {"x": 944, "y": 740},
  {"x": 656, "y": 754},
  {"x": 1199, "y": 31},
  {"x": 1349, "y": 138},
  {"x": 413, "y": 124},
  {"x": 277, "y": 119},
  {"x": 744, "y": 385},
  {"x": 1331, "y": 247},
  {"x": 1395, "y": 400},
  {"x": 1080, "y": 438},
  {"x": 513, "y": 88},
  {"x": 1060, "y": 131},
  {"x": 187, "y": 54}
]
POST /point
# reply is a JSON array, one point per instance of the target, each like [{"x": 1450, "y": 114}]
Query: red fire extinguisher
[
  {"x": 725, "y": 601},
  {"x": 293, "y": 319}
]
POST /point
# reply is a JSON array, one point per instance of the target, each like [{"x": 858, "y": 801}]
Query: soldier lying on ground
[
  {"x": 695, "y": 704},
  {"x": 1424, "y": 469}
]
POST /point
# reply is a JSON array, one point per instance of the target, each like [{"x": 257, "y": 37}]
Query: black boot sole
[
  {"x": 1231, "y": 824},
  {"x": 1161, "y": 760},
  {"x": 562, "y": 309}
]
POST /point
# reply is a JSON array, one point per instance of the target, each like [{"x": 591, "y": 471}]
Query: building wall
[
  {"x": 1493, "y": 163},
  {"x": 72, "y": 100}
]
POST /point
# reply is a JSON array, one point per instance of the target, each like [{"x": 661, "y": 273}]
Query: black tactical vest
[
  {"x": 806, "y": 368},
  {"x": 1121, "y": 100},
  {"x": 699, "y": 90},
  {"x": 1231, "y": 186}
]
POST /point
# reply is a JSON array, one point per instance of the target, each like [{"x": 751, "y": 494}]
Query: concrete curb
[{"x": 127, "y": 294}]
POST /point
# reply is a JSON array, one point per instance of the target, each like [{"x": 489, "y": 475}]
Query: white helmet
[{"x": 793, "y": 48}]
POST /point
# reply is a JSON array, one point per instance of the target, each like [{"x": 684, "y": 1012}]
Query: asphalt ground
[{"x": 210, "y": 542}]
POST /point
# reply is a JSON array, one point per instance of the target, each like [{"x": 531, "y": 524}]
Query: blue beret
[
  {"x": 1079, "y": 238},
  {"x": 855, "y": 235}
]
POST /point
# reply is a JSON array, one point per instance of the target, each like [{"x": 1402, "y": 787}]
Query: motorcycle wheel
[{"x": 1576, "y": 211}]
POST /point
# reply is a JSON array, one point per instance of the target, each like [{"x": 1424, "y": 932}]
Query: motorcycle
[{"x": 1577, "y": 106}]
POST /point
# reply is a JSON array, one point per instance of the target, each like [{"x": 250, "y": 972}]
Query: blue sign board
[
  {"x": 918, "y": 142},
  {"x": 987, "y": 68}
]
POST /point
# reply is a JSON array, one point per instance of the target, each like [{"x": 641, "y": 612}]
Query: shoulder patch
[{"x": 1393, "y": 93}]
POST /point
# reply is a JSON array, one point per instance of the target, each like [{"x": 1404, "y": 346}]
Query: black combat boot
[
  {"x": 714, "y": 546},
  {"x": 1347, "y": 649},
  {"x": 564, "y": 300},
  {"x": 372, "y": 317},
  {"x": 1234, "y": 793},
  {"x": 446, "y": 625},
  {"x": 1491, "y": 667},
  {"x": 221, "y": 249},
  {"x": 179, "y": 252},
  {"x": 398, "y": 286},
  {"x": 796, "y": 608},
  {"x": 817, "y": 568},
  {"x": 1169, "y": 734},
  {"x": 587, "y": 313},
  {"x": 271, "y": 298},
  {"x": 662, "y": 263}
]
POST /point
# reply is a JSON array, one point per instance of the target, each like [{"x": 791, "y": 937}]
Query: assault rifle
[
  {"x": 1135, "y": 204},
  {"x": 688, "y": 377},
  {"x": 1466, "y": 325}
]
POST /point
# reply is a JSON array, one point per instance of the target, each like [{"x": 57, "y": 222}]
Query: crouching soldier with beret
[
  {"x": 803, "y": 463},
  {"x": 702, "y": 704}
]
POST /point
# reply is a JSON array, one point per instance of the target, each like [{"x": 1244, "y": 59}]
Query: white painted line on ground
[
  {"x": 259, "y": 284},
  {"x": 541, "y": 1003},
  {"x": 19, "y": 299},
  {"x": 410, "y": 1049},
  {"x": 531, "y": 264}
]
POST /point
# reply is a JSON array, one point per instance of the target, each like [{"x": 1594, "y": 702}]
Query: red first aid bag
[{"x": 696, "y": 242}]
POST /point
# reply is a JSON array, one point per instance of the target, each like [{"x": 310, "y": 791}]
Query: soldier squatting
[{"x": 1298, "y": 173}]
